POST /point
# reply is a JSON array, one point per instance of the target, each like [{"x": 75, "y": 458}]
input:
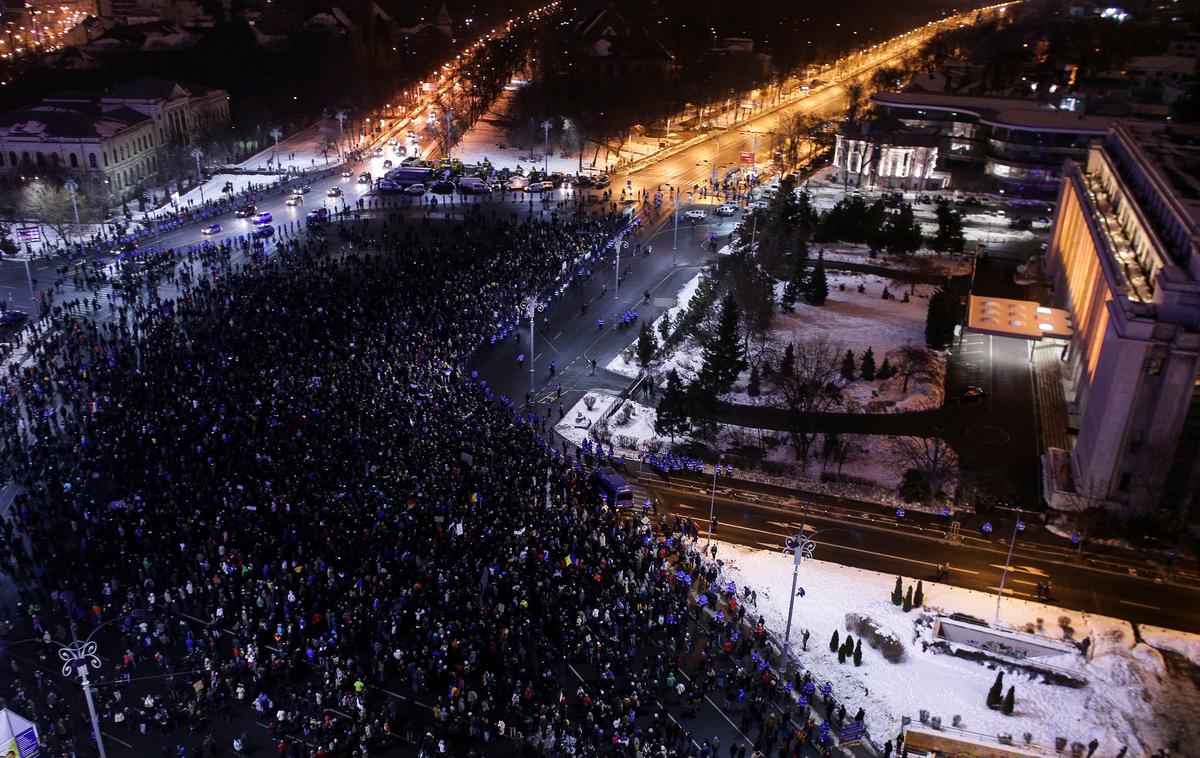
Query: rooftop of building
[
  {"x": 68, "y": 121},
  {"x": 1174, "y": 155},
  {"x": 155, "y": 88},
  {"x": 1030, "y": 115}
]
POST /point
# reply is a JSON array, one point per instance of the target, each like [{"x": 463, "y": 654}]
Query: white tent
[{"x": 18, "y": 736}]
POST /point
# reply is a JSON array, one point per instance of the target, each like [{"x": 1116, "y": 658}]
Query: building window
[
  {"x": 1123, "y": 484},
  {"x": 92, "y": 160},
  {"x": 74, "y": 160},
  {"x": 12, "y": 158},
  {"x": 24, "y": 156},
  {"x": 41, "y": 159}
]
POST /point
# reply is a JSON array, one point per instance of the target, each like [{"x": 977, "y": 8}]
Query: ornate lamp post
[
  {"x": 73, "y": 187},
  {"x": 532, "y": 306},
  {"x": 78, "y": 656},
  {"x": 341, "y": 119}
]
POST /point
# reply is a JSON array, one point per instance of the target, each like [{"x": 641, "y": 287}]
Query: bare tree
[
  {"x": 913, "y": 360},
  {"x": 855, "y": 94},
  {"x": 814, "y": 385},
  {"x": 48, "y": 204},
  {"x": 932, "y": 456}
]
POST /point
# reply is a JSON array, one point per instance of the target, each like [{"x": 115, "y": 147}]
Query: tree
[
  {"x": 868, "y": 365},
  {"x": 919, "y": 595},
  {"x": 753, "y": 386},
  {"x": 645, "y": 345},
  {"x": 49, "y": 204},
  {"x": 913, "y": 487},
  {"x": 833, "y": 642},
  {"x": 673, "y": 417},
  {"x": 940, "y": 320},
  {"x": 912, "y": 360},
  {"x": 787, "y": 365},
  {"x": 1010, "y": 701},
  {"x": 996, "y": 692},
  {"x": 791, "y": 293},
  {"x": 849, "y": 370},
  {"x": 901, "y": 232},
  {"x": 885, "y": 370},
  {"x": 664, "y": 328},
  {"x": 949, "y": 235},
  {"x": 898, "y": 592},
  {"x": 858, "y": 652},
  {"x": 932, "y": 457},
  {"x": 908, "y": 603},
  {"x": 841, "y": 653},
  {"x": 817, "y": 290},
  {"x": 754, "y": 292},
  {"x": 814, "y": 386},
  {"x": 724, "y": 354}
]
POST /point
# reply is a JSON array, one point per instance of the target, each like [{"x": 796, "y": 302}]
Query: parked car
[
  {"x": 444, "y": 187},
  {"x": 316, "y": 216},
  {"x": 727, "y": 209},
  {"x": 334, "y": 192},
  {"x": 295, "y": 200},
  {"x": 379, "y": 150},
  {"x": 583, "y": 180},
  {"x": 759, "y": 205},
  {"x": 364, "y": 177},
  {"x": 210, "y": 229},
  {"x": 246, "y": 211},
  {"x": 415, "y": 189},
  {"x": 473, "y": 184},
  {"x": 972, "y": 393},
  {"x": 11, "y": 317},
  {"x": 263, "y": 232},
  {"x": 694, "y": 215},
  {"x": 261, "y": 218},
  {"x": 539, "y": 186},
  {"x": 602, "y": 181}
]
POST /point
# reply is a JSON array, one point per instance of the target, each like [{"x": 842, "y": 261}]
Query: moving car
[
  {"x": 316, "y": 216},
  {"x": 261, "y": 218},
  {"x": 296, "y": 200},
  {"x": 759, "y": 205},
  {"x": 364, "y": 177},
  {"x": 334, "y": 192},
  {"x": 972, "y": 393},
  {"x": 694, "y": 214},
  {"x": 415, "y": 189},
  {"x": 210, "y": 229},
  {"x": 387, "y": 163},
  {"x": 726, "y": 209},
  {"x": 539, "y": 186},
  {"x": 379, "y": 150},
  {"x": 263, "y": 232},
  {"x": 246, "y": 211},
  {"x": 517, "y": 183},
  {"x": 473, "y": 184},
  {"x": 10, "y": 317},
  {"x": 602, "y": 181},
  {"x": 347, "y": 174},
  {"x": 304, "y": 189}
]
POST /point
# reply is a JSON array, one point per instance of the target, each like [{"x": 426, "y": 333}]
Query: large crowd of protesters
[{"x": 282, "y": 490}]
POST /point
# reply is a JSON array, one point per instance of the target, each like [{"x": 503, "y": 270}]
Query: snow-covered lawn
[
  {"x": 629, "y": 434},
  {"x": 853, "y": 320},
  {"x": 300, "y": 151},
  {"x": 623, "y": 363},
  {"x": 1131, "y": 697}
]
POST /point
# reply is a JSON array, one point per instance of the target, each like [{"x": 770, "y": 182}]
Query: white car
[
  {"x": 415, "y": 189},
  {"x": 727, "y": 209},
  {"x": 296, "y": 200},
  {"x": 694, "y": 215},
  {"x": 759, "y": 205}
]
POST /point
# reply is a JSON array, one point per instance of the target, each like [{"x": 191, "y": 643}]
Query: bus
[{"x": 613, "y": 488}]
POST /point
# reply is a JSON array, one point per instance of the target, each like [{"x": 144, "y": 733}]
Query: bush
[
  {"x": 858, "y": 652},
  {"x": 888, "y": 645},
  {"x": 600, "y": 431},
  {"x": 1010, "y": 700},
  {"x": 919, "y": 596},
  {"x": 898, "y": 592},
  {"x": 833, "y": 642},
  {"x": 914, "y": 487},
  {"x": 908, "y": 603},
  {"x": 589, "y": 401}
]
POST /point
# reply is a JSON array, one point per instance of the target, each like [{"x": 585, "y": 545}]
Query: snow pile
[
  {"x": 1130, "y": 696},
  {"x": 626, "y": 432}
]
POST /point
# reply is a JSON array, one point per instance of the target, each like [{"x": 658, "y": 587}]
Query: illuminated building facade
[{"x": 1125, "y": 261}]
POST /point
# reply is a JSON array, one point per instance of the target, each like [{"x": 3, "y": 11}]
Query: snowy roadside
[{"x": 1130, "y": 697}]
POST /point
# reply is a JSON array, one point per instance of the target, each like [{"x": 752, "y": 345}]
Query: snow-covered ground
[
  {"x": 489, "y": 138},
  {"x": 301, "y": 151},
  {"x": 1131, "y": 697},
  {"x": 629, "y": 434},
  {"x": 853, "y": 320},
  {"x": 623, "y": 363}
]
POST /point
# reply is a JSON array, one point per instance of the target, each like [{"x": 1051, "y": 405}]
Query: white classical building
[
  {"x": 876, "y": 156},
  {"x": 115, "y": 140},
  {"x": 1124, "y": 259}
]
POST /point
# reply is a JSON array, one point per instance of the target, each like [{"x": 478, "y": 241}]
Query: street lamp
[
  {"x": 78, "y": 656},
  {"x": 197, "y": 153},
  {"x": 341, "y": 119},
  {"x": 276, "y": 133},
  {"x": 532, "y": 306},
  {"x": 1018, "y": 526},
  {"x": 73, "y": 187},
  {"x": 802, "y": 546},
  {"x": 712, "y": 501},
  {"x": 546, "y": 156}
]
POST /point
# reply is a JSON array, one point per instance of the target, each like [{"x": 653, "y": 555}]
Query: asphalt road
[{"x": 1105, "y": 581}]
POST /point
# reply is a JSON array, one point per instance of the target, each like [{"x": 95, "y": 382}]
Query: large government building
[{"x": 1125, "y": 261}]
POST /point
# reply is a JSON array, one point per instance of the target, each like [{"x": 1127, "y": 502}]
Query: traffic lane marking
[
  {"x": 1141, "y": 605},
  {"x": 834, "y": 545}
]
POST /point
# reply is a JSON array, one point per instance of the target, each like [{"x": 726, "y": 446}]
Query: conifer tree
[
  {"x": 753, "y": 386},
  {"x": 995, "y": 693},
  {"x": 919, "y": 596},
  {"x": 858, "y": 652},
  {"x": 672, "y": 417},
  {"x": 787, "y": 366},
  {"x": 898, "y": 592},
  {"x": 1010, "y": 701},
  {"x": 908, "y": 600},
  {"x": 833, "y": 642},
  {"x": 816, "y": 290},
  {"x": 645, "y": 345},
  {"x": 868, "y": 365},
  {"x": 849, "y": 369}
]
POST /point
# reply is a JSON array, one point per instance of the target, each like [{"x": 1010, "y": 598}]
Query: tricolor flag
[{"x": 569, "y": 560}]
